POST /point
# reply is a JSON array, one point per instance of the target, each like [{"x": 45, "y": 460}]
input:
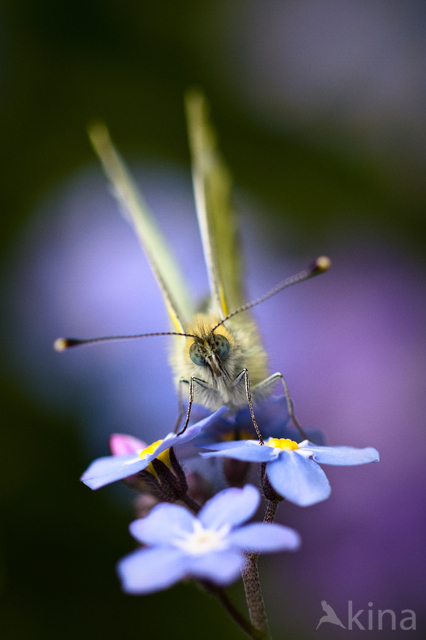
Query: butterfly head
[{"x": 209, "y": 348}]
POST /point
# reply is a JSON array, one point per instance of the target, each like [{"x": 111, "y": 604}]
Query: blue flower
[
  {"x": 292, "y": 468},
  {"x": 109, "y": 469},
  {"x": 271, "y": 415},
  {"x": 208, "y": 547}
]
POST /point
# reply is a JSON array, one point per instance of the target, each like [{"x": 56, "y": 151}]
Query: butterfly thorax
[{"x": 218, "y": 357}]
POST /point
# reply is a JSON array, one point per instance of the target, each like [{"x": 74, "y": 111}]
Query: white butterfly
[{"x": 217, "y": 353}]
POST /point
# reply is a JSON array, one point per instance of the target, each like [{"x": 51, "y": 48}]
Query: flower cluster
[{"x": 194, "y": 510}]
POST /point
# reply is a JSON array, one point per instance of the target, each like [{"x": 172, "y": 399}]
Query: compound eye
[
  {"x": 196, "y": 355},
  {"x": 222, "y": 346}
]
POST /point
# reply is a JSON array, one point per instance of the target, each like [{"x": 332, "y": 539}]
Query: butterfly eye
[
  {"x": 222, "y": 346},
  {"x": 196, "y": 355}
]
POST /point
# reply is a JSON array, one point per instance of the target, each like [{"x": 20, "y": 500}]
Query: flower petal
[
  {"x": 121, "y": 444},
  {"x": 164, "y": 522},
  {"x": 177, "y": 441},
  {"x": 342, "y": 455},
  {"x": 230, "y": 507},
  {"x": 149, "y": 570},
  {"x": 298, "y": 479},
  {"x": 220, "y": 567},
  {"x": 111, "y": 468},
  {"x": 264, "y": 538},
  {"x": 248, "y": 450}
]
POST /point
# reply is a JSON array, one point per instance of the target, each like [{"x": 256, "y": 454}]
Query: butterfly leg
[
  {"x": 180, "y": 404},
  {"x": 263, "y": 386},
  {"x": 191, "y": 394},
  {"x": 244, "y": 375}
]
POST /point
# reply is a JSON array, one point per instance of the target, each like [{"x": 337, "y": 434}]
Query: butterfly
[{"x": 217, "y": 356}]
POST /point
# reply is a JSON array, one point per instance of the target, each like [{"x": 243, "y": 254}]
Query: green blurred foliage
[{"x": 129, "y": 63}]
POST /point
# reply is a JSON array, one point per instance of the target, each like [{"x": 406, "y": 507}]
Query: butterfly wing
[
  {"x": 216, "y": 218},
  {"x": 158, "y": 253}
]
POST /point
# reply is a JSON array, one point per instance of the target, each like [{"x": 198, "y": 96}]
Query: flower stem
[
  {"x": 252, "y": 588},
  {"x": 191, "y": 503},
  {"x": 234, "y": 613},
  {"x": 254, "y": 598},
  {"x": 271, "y": 510}
]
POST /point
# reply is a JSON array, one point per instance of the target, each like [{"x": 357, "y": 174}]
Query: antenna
[
  {"x": 320, "y": 265},
  {"x": 62, "y": 344}
]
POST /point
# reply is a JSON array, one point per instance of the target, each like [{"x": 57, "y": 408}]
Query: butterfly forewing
[
  {"x": 157, "y": 250},
  {"x": 216, "y": 216}
]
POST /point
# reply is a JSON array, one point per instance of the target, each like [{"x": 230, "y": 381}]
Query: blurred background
[{"x": 319, "y": 106}]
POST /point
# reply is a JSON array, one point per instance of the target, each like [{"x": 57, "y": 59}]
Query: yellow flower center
[
  {"x": 164, "y": 456},
  {"x": 149, "y": 450},
  {"x": 282, "y": 443}
]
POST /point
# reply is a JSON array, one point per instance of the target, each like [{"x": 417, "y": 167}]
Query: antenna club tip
[
  {"x": 322, "y": 264},
  {"x": 60, "y": 344}
]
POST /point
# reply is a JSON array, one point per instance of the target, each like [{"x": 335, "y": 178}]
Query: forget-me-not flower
[
  {"x": 292, "y": 468},
  {"x": 209, "y": 547},
  {"x": 109, "y": 469},
  {"x": 271, "y": 415}
]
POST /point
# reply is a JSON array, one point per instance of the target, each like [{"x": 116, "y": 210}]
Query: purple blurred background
[{"x": 319, "y": 108}]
